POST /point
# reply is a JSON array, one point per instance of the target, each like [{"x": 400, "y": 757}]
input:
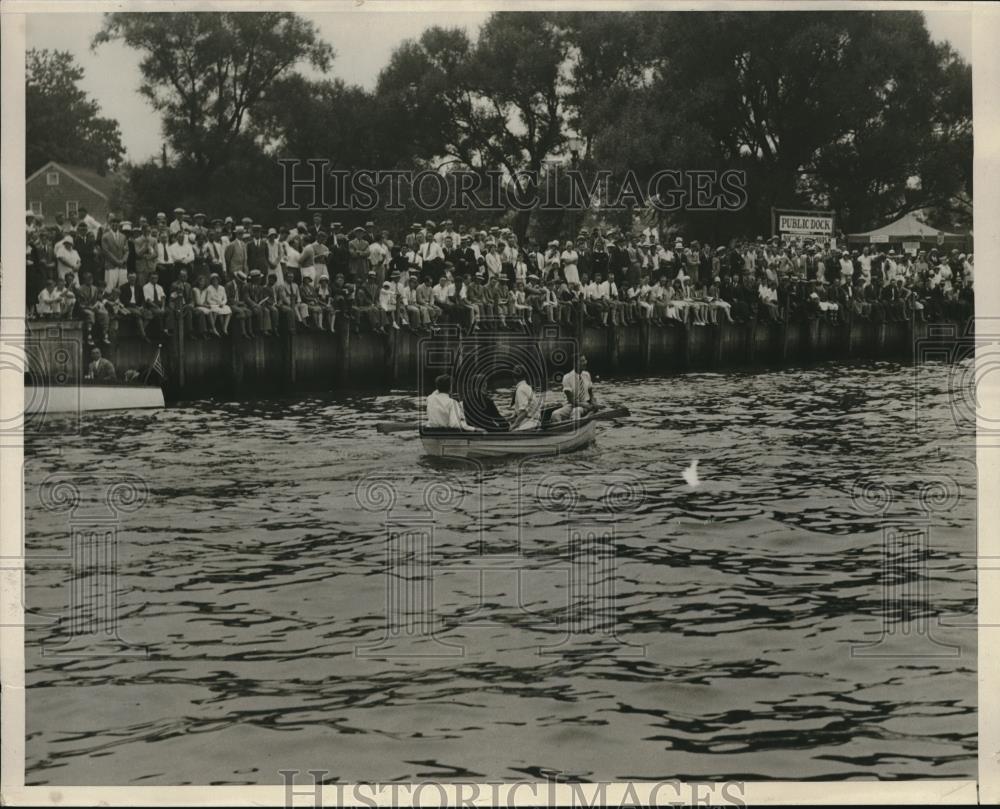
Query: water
[{"x": 711, "y": 632}]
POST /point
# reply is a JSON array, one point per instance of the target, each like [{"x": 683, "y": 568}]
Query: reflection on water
[{"x": 595, "y": 617}]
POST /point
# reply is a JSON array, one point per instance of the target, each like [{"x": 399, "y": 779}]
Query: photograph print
[{"x": 469, "y": 396}]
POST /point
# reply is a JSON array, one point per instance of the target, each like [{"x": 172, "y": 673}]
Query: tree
[
  {"x": 205, "y": 72},
  {"x": 857, "y": 111},
  {"x": 495, "y": 105},
  {"x": 61, "y": 122}
]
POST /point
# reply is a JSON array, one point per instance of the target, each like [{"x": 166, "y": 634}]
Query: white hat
[{"x": 29, "y": 213}]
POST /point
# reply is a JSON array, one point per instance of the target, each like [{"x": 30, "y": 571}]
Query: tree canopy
[
  {"x": 61, "y": 122},
  {"x": 205, "y": 73}
]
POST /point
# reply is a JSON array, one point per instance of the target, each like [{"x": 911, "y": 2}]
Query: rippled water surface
[{"x": 594, "y": 617}]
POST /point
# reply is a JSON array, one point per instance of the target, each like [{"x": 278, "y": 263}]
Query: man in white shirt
[
  {"x": 178, "y": 221},
  {"x": 578, "y": 386},
  {"x": 608, "y": 291},
  {"x": 156, "y": 301},
  {"x": 527, "y": 407},
  {"x": 443, "y": 412}
]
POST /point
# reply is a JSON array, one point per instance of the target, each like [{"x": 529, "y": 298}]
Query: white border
[{"x": 986, "y": 81}]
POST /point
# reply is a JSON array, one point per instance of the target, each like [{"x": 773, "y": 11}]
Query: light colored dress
[
  {"x": 217, "y": 301},
  {"x": 570, "y": 272}
]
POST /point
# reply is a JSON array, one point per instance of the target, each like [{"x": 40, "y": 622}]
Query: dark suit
[
  {"x": 141, "y": 312},
  {"x": 257, "y": 256}
]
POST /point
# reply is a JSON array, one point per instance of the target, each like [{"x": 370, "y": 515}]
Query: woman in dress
[
  {"x": 202, "y": 309},
  {"x": 569, "y": 259},
  {"x": 292, "y": 252},
  {"x": 218, "y": 302}
]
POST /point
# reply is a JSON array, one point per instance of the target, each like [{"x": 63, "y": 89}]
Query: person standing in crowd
[
  {"x": 257, "y": 251},
  {"x": 358, "y": 250},
  {"x": 145, "y": 254},
  {"x": 177, "y": 223},
  {"x": 114, "y": 250},
  {"x": 213, "y": 254},
  {"x": 67, "y": 258},
  {"x": 180, "y": 255},
  {"x": 236, "y": 254},
  {"x": 431, "y": 255},
  {"x": 568, "y": 261}
]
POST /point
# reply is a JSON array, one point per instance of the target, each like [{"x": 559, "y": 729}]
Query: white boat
[
  {"x": 554, "y": 440},
  {"x": 51, "y": 399}
]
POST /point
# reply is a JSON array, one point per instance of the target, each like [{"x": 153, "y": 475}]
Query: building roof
[{"x": 99, "y": 184}]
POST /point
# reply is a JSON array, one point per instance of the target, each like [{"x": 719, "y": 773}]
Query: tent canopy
[{"x": 908, "y": 228}]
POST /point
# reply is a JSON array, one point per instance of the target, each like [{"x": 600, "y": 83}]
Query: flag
[{"x": 156, "y": 366}]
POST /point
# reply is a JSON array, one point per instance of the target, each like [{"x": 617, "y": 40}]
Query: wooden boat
[
  {"x": 550, "y": 440},
  {"x": 52, "y": 399}
]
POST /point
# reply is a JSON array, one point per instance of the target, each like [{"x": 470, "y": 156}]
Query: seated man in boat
[
  {"x": 443, "y": 412},
  {"x": 480, "y": 409},
  {"x": 100, "y": 369},
  {"x": 579, "y": 387},
  {"x": 527, "y": 406}
]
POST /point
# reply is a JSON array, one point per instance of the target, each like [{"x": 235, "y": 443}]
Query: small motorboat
[
  {"x": 53, "y": 399},
  {"x": 549, "y": 440}
]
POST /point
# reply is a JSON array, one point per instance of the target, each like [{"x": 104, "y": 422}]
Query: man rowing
[
  {"x": 446, "y": 413},
  {"x": 578, "y": 388}
]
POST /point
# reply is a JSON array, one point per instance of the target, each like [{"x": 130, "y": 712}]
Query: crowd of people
[{"x": 220, "y": 276}]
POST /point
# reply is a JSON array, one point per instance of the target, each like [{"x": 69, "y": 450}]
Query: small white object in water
[{"x": 691, "y": 475}]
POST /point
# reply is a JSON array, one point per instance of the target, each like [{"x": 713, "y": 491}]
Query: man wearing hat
[
  {"x": 357, "y": 249},
  {"x": 114, "y": 251},
  {"x": 378, "y": 256},
  {"x": 238, "y": 299},
  {"x": 338, "y": 261},
  {"x": 236, "y": 255},
  {"x": 145, "y": 254},
  {"x": 257, "y": 251},
  {"x": 213, "y": 253},
  {"x": 431, "y": 255},
  {"x": 263, "y": 311},
  {"x": 413, "y": 238},
  {"x": 316, "y": 227},
  {"x": 177, "y": 223}
]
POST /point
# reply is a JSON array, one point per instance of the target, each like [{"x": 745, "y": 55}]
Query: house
[{"x": 62, "y": 188}]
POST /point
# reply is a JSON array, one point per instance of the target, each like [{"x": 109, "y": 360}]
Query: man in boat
[
  {"x": 480, "y": 409},
  {"x": 527, "y": 407},
  {"x": 445, "y": 413},
  {"x": 100, "y": 369},
  {"x": 578, "y": 387}
]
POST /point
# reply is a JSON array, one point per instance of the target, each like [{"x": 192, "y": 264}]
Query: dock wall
[{"x": 317, "y": 361}]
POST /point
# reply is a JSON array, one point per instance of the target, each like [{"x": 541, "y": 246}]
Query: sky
[{"x": 363, "y": 40}]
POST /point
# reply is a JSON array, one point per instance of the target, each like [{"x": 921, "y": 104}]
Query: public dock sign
[{"x": 802, "y": 223}]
